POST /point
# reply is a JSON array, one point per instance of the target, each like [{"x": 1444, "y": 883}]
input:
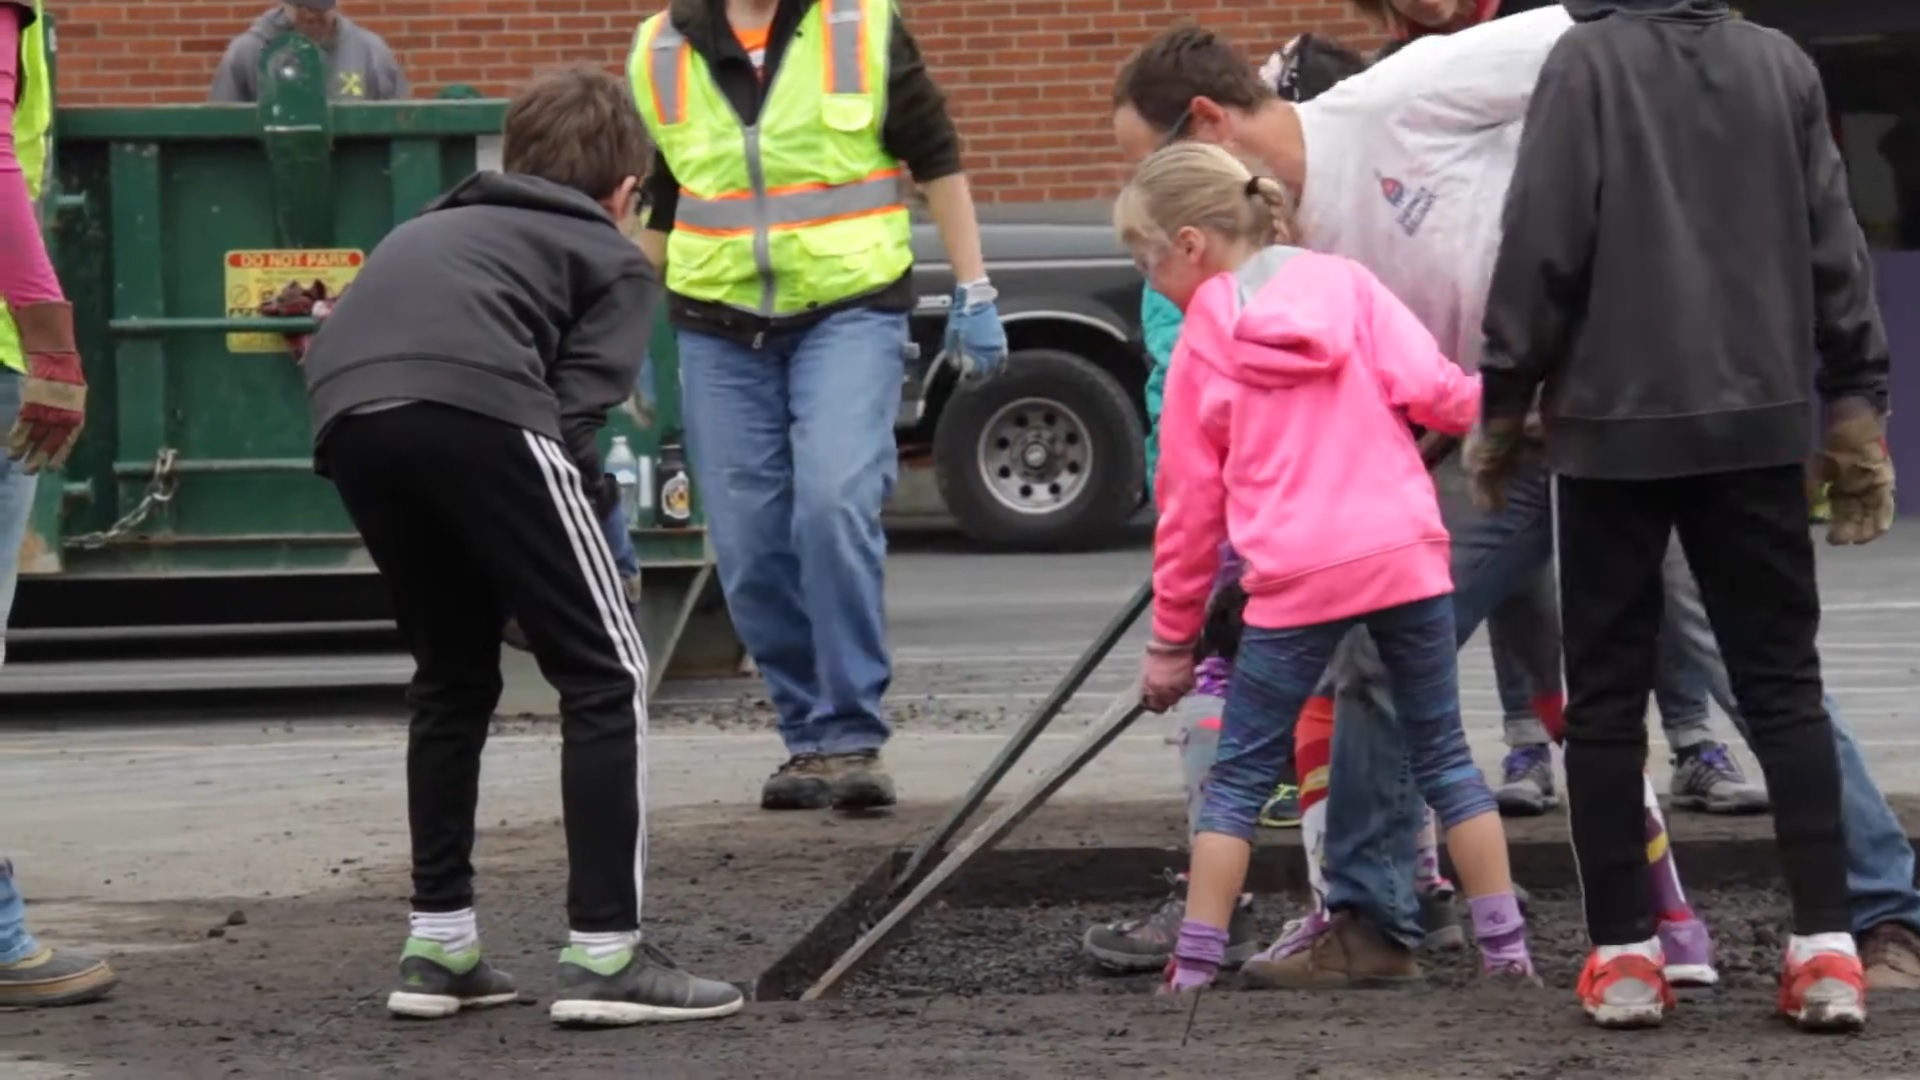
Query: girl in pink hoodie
[{"x": 1284, "y": 432}]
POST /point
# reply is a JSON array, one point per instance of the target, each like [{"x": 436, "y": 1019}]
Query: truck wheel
[{"x": 1048, "y": 454}]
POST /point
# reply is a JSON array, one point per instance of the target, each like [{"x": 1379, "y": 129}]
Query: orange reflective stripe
[
  {"x": 846, "y": 46},
  {"x": 667, "y": 66},
  {"x": 790, "y": 206},
  {"x": 788, "y": 226}
]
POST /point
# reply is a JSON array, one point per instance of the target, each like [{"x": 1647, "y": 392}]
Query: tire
[{"x": 1080, "y": 487}]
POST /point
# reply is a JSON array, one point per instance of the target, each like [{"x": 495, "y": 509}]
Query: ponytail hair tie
[{"x": 1253, "y": 187}]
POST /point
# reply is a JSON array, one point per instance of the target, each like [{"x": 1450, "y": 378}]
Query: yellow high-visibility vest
[
  {"x": 804, "y": 208},
  {"x": 32, "y": 131}
]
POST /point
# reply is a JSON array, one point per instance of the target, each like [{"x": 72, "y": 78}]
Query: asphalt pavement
[{"x": 274, "y": 806}]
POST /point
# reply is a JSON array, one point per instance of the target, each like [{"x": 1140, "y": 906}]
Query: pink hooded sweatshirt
[{"x": 1285, "y": 433}]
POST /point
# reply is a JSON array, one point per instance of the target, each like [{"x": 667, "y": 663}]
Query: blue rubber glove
[{"x": 975, "y": 339}]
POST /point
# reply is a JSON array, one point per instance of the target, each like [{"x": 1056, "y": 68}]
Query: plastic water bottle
[{"x": 626, "y": 473}]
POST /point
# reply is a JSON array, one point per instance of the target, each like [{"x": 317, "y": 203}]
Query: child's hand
[{"x": 1166, "y": 676}]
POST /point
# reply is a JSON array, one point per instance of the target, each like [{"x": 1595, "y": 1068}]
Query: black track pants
[
  {"x": 1746, "y": 537},
  {"x": 468, "y": 519}
]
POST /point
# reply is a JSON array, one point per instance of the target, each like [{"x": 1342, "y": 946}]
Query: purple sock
[
  {"x": 1502, "y": 933},
  {"x": 1197, "y": 956}
]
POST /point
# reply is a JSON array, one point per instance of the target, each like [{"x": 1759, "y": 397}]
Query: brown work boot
[
  {"x": 1891, "y": 954},
  {"x": 1351, "y": 954},
  {"x": 54, "y": 977},
  {"x": 860, "y": 781},
  {"x": 803, "y": 783}
]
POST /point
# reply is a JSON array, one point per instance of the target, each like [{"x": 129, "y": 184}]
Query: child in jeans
[{"x": 1288, "y": 360}]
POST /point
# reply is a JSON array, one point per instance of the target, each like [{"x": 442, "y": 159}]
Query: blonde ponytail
[{"x": 1201, "y": 186}]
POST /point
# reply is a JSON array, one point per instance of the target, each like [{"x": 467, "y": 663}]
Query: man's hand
[
  {"x": 975, "y": 339},
  {"x": 1167, "y": 675},
  {"x": 1494, "y": 451},
  {"x": 53, "y": 402},
  {"x": 1854, "y": 462}
]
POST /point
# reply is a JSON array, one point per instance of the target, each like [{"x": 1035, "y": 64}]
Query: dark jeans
[
  {"x": 1745, "y": 535},
  {"x": 1277, "y": 670}
]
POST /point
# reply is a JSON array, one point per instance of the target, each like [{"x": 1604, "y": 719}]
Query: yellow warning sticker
[{"x": 254, "y": 277}]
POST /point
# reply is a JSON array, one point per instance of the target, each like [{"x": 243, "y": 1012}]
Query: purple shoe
[{"x": 1689, "y": 952}]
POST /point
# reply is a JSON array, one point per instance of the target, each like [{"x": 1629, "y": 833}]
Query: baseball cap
[{"x": 313, "y": 5}]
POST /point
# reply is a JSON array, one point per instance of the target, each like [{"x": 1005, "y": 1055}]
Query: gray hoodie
[
  {"x": 360, "y": 67},
  {"x": 509, "y": 296}
]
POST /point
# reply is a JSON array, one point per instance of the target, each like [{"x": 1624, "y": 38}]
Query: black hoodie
[
  {"x": 1678, "y": 244},
  {"x": 510, "y": 296}
]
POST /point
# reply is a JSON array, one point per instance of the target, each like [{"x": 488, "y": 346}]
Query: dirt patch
[
  {"x": 1036, "y": 950},
  {"x": 295, "y": 989}
]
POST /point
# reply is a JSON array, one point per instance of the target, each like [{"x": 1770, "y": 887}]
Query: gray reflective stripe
[
  {"x": 797, "y": 208},
  {"x": 1254, "y": 274},
  {"x": 664, "y": 63},
  {"x": 846, "y": 24}
]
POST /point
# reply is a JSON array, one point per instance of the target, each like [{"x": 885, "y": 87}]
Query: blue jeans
[
  {"x": 620, "y": 539},
  {"x": 1277, "y": 670},
  {"x": 1879, "y": 858},
  {"x": 16, "y": 505},
  {"x": 1371, "y": 821},
  {"x": 792, "y": 451}
]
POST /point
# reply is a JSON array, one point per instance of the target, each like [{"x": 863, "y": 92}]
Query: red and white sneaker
[
  {"x": 1825, "y": 991},
  {"x": 1627, "y": 991}
]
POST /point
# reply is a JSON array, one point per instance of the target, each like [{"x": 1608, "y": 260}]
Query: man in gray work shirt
[{"x": 360, "y": 67}]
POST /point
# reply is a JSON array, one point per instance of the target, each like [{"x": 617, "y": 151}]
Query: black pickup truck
[{"x": 1048, "y": 454}]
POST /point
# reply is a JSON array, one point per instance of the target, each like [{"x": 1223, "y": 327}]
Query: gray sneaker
[
  {"x": 1145, "y": 943},
  {"x": 1707, "y": 779},
  {"x": 54, "y": 977},
  {"x": 435, "y": 983},
  {"x": 1526, "y": 789},
  {"x": 1441, "y": 920},
  {"x": 636, "y": 987}
]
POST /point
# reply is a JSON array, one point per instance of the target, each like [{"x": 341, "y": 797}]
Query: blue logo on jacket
[{"x": 1413, "y": 204}]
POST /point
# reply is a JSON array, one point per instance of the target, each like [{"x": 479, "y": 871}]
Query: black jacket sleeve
[
  {"x": 1846, "y": 329},
  {"x": 663, "y": 194},
  {"x": 1549, "y": 229},
  {"x": 598, "y": 361},
  {"x": 917, "y": 129}
]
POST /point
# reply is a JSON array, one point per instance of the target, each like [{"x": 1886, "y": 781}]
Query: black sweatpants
[
  {"x": 1746, "y": 536},
  {"x": 468, "y": 519}
]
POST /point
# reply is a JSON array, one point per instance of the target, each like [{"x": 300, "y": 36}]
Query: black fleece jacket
[
  {"x": 1678, "y": 244},
  {"x": 916, "y": 130}
]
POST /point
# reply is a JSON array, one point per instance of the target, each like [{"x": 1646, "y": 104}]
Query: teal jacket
[{"x": 1160, "y": 324}]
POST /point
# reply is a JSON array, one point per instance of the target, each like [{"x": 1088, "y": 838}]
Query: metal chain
[{"x": 160, "y": 488}]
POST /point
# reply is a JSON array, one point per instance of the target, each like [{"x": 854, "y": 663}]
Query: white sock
[
  {"x": 1650, "y": 949},
  {"x": 455, "y": 931},
  {"x": 601, "y": 946},
  {"x": 1804, "y": 948}
]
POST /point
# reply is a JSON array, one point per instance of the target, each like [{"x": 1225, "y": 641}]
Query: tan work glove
[
  {"x": 1855, "y": 464},
  {"x": 1494, "y": 450},
  {"x": 53, "y": 401}
]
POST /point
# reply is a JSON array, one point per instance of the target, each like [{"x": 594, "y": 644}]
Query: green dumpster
[{"x": 191, "y": 498}]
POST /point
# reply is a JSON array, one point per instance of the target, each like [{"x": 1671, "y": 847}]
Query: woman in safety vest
[
  {"x": 784, "y": 129},
  {"x": 42, "y": 401}
]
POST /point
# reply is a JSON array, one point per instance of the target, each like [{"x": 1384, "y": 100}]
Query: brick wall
[{"x": 1028, "y": 80}]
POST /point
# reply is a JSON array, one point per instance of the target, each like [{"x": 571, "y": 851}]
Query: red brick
[{"x": 1028, "y": 82}]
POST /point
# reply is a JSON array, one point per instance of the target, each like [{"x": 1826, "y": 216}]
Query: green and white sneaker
[
  {"x": 636, "y": 987},
  {"x": 435, "y": 983}
]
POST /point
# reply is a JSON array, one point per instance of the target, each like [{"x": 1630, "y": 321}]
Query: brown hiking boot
[
  {"x": 803, "y": 783},
  {"x": 860, "y": 781},
  {"x": 1350, "y": 955},
  {"x": 1891, "y": 954}
]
